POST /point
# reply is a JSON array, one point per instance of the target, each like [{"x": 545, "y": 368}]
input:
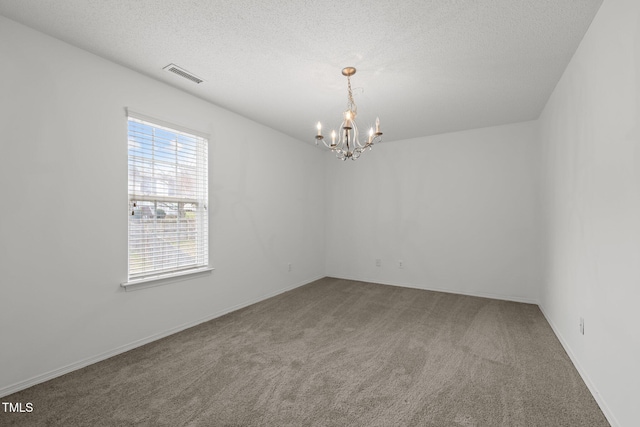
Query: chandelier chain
[{"x": 351, "y": 105}]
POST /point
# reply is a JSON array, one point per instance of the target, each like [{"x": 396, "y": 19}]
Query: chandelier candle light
[{"x": 348, "y": 145}]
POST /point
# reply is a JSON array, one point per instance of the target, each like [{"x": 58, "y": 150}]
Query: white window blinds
[{"x": 168, "y": 220}]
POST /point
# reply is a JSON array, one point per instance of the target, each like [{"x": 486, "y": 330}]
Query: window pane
[{"x": 168, "y": 199}]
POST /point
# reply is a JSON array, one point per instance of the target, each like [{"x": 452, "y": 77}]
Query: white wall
[
  {"x": 590, "y": 133},
  {"x": 63, "y": 221},
  {"x": 459, "y": 209}
]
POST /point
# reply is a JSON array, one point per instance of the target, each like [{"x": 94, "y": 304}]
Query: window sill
[{"x": 165, "y": 279}]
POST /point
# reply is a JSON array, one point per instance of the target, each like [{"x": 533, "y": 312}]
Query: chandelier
[{"x": 348, "y": 144}]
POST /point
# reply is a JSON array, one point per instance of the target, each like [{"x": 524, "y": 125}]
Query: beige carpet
[{"x": 334, "y": 353}]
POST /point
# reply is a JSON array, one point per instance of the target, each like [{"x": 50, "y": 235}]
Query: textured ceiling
[{"x": 424, "y": 66}]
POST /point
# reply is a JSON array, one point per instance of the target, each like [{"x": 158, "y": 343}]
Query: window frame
[{"x": 200, "y": 198}]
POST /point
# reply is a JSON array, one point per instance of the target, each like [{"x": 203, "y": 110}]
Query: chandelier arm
[
  {"x": 321, "y": 138},
  {"x": 341, "y": 137},
  {"x": 325, "y": 143},
  {"x": 356, "y": 135}
]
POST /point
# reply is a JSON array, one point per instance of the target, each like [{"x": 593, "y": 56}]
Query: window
[{"x": 168, "y": 220}]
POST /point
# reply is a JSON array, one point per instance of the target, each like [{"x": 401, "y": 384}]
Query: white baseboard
[
  {"x": 585, "y": 377},
  {"x": 5, "y": 391},
  {"x": 448, "y": 291}
]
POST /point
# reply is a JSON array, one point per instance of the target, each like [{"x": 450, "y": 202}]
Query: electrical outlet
[
  {"x": 378, "y": 262},
  {"x": 582, "y": 326},
  {"x": 400, "y": 264},
  {"x": 290, "y": 268}
]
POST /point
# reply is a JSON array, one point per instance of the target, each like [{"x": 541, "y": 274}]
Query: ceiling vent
[{"x": 182, "y": 73}]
